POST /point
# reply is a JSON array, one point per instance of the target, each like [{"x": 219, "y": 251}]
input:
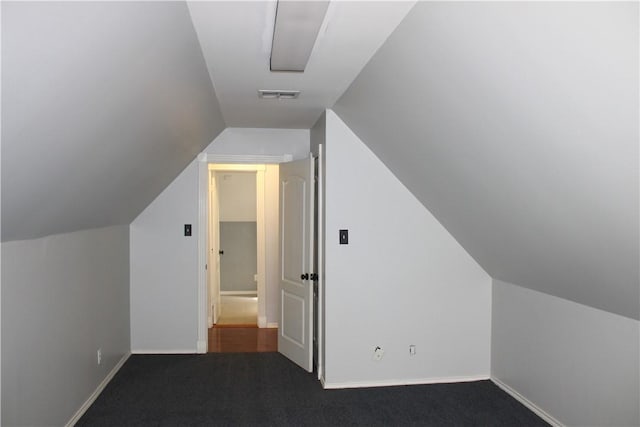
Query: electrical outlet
[
  {"x": 412, "y": 350},
  {"x": 99, "y": 355},
  {"x": 378, "y": 353}
]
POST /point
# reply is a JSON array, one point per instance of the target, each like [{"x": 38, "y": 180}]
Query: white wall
[
  {"x": 401, "y": 280},
  {"x": 164, "y": 271},
  {"x": 237, "y": 196},
  {"x": 577, "y": 363},
  {"x": 63, "y": 297},
  {"x": 251, "y": 141}
]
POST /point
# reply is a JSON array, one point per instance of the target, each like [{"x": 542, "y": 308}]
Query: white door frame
[{"x": 231, "y": 163}]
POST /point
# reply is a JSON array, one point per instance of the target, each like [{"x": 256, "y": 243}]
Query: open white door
[
  {"x": 214, "y": 248},
  {"x": 295, "y": 339}
]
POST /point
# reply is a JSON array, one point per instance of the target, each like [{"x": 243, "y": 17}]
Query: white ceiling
[{"x": 236, "y": 42}]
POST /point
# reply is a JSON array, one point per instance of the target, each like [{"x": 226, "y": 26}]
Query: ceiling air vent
[{"x": 278, "y": 94}]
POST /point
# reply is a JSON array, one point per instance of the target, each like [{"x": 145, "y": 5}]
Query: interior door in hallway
[{"x": 295, "y": 339}]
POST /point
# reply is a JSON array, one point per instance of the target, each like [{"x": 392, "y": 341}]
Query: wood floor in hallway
[{"x": 242, "y": 339}]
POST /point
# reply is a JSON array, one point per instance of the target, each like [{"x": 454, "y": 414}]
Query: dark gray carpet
[{"x": 247, "y": 389}]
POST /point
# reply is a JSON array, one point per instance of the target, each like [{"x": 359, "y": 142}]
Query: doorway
[
  {"x": 236, "y": 245},
  {"x": 269, "y": 187},
  {"x": 236, "y": 231}
]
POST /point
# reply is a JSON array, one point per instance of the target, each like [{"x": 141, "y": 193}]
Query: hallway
[
  {"x": 238, "y": 310},
  {"x": 231, "y": 339}
]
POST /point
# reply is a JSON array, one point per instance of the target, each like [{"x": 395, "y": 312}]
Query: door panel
[
  {"x": 296, "y": 261},
  {"x": 293, "y": 329}
]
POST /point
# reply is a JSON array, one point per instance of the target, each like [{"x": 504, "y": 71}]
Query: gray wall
[
  {"x": 63, "y": 297},
  {"x": 516, "y": 124},
  {"x": 107, "y": 100},
  {"x": 238, "y": 265},
  {"x": 579, "y": 364}
]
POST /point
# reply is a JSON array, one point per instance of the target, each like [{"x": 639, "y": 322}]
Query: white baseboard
[
  {"x": 272, "y": 325},
  {"x": 262, "y": 321},
  {"x": 239, "y": 293},
  {"x": 80, "y": 412},
  {"x": 529, "y": 404},
  {"x": 389, "y": 383},
  {"x": 157, "y": 351}
]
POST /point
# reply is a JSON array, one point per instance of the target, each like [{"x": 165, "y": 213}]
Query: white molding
[
  {"x": 387, "y": 383},
  {"x": 529, "y": 404},
  {"x": 165, "y": 351},
  {"x": 203, "y": 311},
  {"x": 239, "y": 293},
  {"x": 262, "y": 321},
  {"x": 272, "y": 325},
  {"x": 246, "y": 158},
  {"x": 202, "y": 346},
  {"x": 236, "y": 167},
  {"x": 87, "y": 404},
  {"x": 320, "y": 262},
  {"x": 261, "y": 245}
]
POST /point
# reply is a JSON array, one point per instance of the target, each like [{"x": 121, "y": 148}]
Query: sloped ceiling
[
  {"x": 103, "y": 104},
  {"x": 516, "y": 124}
]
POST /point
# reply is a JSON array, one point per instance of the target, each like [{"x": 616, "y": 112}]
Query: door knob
[
  {"x": 221, "y": 252},
  {"x": 304, "y": 276}
]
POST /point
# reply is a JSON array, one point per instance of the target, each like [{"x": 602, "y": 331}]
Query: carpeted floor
[{"x": 247, "y": 389}]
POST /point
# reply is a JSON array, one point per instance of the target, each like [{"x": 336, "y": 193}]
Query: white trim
[
  {"x": 262, "y": 321},
  {"x": 261, "y": 244},
  {"x": 272, "y": 325},
  {"x": 239, "y": 293},
  {"x": 246, "y": 158},
  {"x": 320, "y": 264},
  {"x": 529, "y": 404},
  {"x": 80, "y": 412},
  {"x": 203, "y": 311},
  {"x": 387, "y": 383},
  {"x": 232, "y": 167},
  {"x": 202, "y": 346},
  {"x": 164, "y": 351}
]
